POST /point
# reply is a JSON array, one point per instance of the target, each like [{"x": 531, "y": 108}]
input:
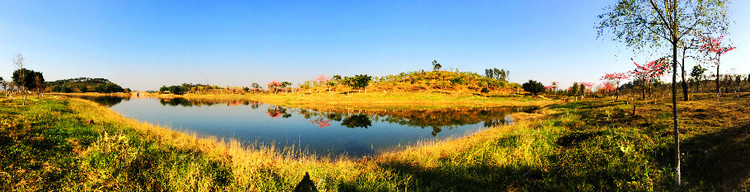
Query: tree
[
  {"x": 495, "y": 73},
  {"x": 685, "y": 47},
  {"x": 285, "y": 84},
  {"x": 555, "y": 86},
  {"x": 615, "y": 79},
  {"x": 38, "y": 82},
  {"x": 174, "y": 89},
  {"x": 650, "y": 23},
  {"x": 256, "y": 86},
  {"x": 533, "y": 87},
  {"x": 587, "y": 86},
  {"x": 360, "y": 81},
  {"x": 710, "y": 45},
  {"x": 651, "y": 71},
  {"x": 573, "y": 91},
  {"x": 18, "y": 62},
  {"x": 28, "y": 79},
  {"x": 697, "y": 74},
  {"x": 2, "y": 83},
  {"x": 273, "y": 86},
  {"x": 436, "y": 66}
]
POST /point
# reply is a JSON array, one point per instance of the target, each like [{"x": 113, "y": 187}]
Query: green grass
[
  {"x": 591, "y": 145},
  {"x": 46, "y": 145}
]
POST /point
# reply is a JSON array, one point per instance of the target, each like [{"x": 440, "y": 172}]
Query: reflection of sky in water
[{"x": 321, "y": 132}]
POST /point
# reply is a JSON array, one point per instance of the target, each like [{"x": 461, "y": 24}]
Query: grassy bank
[{"x": 594, "y": 145}]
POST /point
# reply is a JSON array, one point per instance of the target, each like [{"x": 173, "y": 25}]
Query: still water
[{"x": 351, "y": 132}]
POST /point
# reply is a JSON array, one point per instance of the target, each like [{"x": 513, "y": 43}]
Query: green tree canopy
[
  {"x": 361, "y": 81},
  {"x": 533, "y": 87},
  {"x": 28, "y": 79},
  {"x": 174, "y": 89}
]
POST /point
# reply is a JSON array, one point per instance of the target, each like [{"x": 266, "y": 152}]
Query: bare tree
[{"x": 18, "y": 63}]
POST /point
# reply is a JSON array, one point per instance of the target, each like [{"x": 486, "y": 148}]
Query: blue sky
[{"x": 146, "y": 44}]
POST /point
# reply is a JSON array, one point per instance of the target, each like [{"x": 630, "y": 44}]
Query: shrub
[{"x": 457, "y": 80}]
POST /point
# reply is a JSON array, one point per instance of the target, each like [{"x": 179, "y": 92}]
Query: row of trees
[
  {"x": 23, "y": 80},
  {"x": 660, "y": 25},
  {"x": 358, "y": 82},
  {"x": 646, "y": 75}
]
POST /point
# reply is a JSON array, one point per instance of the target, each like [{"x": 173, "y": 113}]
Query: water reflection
[
  {"x": 108, "y": 101},
  {"x": 177, "y": 101},
  {"x": 437, "y": 120},
  {"x": 352, "y": 132}
]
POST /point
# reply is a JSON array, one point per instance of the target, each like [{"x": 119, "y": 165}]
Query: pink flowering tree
[
  {"x": 714, "y": 48},
  {"x": 615, "y": 78},
  {"x": 647, "y": 73},
  {"x": 322, "y": 80},
  {"x": 274, "y": 86},
  {"x": 609, "y": 87},
  {"x": 588, "y": 86}
]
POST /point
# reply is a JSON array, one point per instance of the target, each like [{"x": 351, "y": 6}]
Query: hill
[{"x": 84, "y": 84}]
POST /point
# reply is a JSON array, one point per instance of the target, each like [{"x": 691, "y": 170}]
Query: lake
[{"x": 354, "y": 133}]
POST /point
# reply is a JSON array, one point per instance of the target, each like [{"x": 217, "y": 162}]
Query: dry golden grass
[{"x": 255, "y": 165}]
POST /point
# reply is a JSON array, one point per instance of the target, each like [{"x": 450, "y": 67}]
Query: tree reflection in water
[
  {"x": 278, "y": 111},
  {"x": 108, "y": 101},
  {"x": 358, "y": 120},
  {"x": 320, "y": 122},
  {"x": 437, "y": 120}
]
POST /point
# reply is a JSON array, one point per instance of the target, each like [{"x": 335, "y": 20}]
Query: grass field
[{"x": 592, "y": 145}]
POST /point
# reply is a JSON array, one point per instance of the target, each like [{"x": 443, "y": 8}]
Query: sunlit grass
[{"x": 597, "y": 144}]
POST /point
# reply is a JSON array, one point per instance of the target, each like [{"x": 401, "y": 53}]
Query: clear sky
[{"x": 145, "y": 44}]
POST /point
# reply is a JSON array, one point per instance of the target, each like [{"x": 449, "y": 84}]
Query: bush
[
  {"x": 457, "y": 80},
  {"x": 533, "y": 87}
]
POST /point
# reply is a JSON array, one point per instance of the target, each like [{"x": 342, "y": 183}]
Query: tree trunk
[
  {"x": 718, "y": 90},
  {"x": 617, "y": 93},
  {"x": 674, "y": 116}
]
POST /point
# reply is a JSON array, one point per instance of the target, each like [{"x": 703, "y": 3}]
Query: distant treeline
[{"x": 85, "y": 84}]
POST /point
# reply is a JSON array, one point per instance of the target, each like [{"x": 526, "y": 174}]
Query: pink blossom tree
[
  {"x": 274, "y": 86},
  {"x": 645, "y": 74},
  {"x": 615, "y": 78},
  {"x": 322, "y": 80},
  {"x": 588, "y": 86},
  {"x": 715, "y": 47}
]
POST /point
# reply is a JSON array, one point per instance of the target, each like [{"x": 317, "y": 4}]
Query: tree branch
[{"x": 661, "y": 16}]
